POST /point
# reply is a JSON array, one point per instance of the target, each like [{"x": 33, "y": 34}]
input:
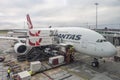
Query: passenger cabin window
[{"x": 101, "y": 40}]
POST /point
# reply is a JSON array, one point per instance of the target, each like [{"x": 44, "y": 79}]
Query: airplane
[{"x": 84, "y": 40}]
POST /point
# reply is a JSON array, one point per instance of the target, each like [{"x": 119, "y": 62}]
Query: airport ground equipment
[
  {"x": 44, "y": 43},
  {"x": 68, "y": 52},
  {"x": 43, "y": 53},
  {"x": 35, "y": 66},
  {"x": 51, "y": 56},
  {"x": 36, "y": 53},
  {"x": 24, "y": 76},
  {"x": 116, "y": 58},
  {"x": 56, "y": 60}
]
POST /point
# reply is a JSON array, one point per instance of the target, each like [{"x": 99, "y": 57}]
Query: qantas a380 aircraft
[{"x": 84, "y": 40}]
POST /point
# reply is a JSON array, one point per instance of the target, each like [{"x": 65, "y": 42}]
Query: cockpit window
[{"x": 101, "y": 40}]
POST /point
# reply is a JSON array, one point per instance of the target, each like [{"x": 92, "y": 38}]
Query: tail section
[
  {"x": 30, "y": 26},
  {"x": 31, "y": 32},
  {"x": 37, "y": 37}
]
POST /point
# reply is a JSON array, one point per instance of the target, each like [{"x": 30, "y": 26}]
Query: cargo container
[
  {"x": 63, "y": 47},
  {"x": 35, "y": 66},
  {"x": 24, "y": 75},
  {"x": 56, "y": 60},
  {"x": 60, "y": 59}
]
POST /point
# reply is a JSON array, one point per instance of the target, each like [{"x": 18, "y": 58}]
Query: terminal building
[{"x": 112, "y": 35}]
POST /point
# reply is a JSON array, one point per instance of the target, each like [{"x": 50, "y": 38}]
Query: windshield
[{"x": 101, "y": 40}]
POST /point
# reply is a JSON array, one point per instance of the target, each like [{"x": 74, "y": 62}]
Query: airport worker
[
  {"x": 8, "y": 71},
  {"x": 71, "y": 49},
  {"x": 71, "y": 54},
  {"x": 30, "y": 72}
]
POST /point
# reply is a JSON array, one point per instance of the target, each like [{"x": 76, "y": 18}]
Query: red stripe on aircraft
[
  {"x": 37, "y": 43},
  {"x": 34, "y": 35},
  {"x": 29, "y": 22},
  {"x": 31, "y": 43}
]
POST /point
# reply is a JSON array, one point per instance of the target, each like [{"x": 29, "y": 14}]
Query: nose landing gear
[{"x": 95, "y": 63}]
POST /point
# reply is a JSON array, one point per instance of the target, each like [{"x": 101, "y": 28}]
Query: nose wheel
[{"x": 95, "y": 63}]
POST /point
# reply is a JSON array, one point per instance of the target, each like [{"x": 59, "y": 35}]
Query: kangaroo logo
[
  {"x": 37, "y": 43},
  {"x": 34, "y": 34},
  {"x": 29, "y": 22}
]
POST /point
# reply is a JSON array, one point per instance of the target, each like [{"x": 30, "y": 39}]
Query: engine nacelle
[{"x": 20, "y": 48}]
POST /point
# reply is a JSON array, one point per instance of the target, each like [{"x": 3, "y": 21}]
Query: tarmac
[{"x": 78, "y": 70}]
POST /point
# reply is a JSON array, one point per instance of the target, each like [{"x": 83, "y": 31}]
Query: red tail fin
[{"x": 29, "y": 22}]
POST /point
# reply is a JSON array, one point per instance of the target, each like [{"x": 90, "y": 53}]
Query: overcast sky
[{"x": 59, "y": 13}]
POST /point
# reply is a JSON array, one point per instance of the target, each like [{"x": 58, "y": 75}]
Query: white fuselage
[{"x": 86, "y": 41}]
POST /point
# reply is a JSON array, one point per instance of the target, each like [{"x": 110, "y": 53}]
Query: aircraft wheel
[{"x": 93, "y": 64}]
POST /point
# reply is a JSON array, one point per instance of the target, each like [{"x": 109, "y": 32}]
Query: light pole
[{"x": 96, "y": 14}]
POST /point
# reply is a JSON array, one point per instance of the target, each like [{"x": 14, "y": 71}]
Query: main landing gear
[{"x": 95, "y": 63}]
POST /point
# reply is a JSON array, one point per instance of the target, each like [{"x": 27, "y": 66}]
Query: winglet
[{"x": 30, "y": 26}]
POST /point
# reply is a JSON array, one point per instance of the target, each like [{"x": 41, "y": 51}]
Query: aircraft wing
[
  {"x": 13, "y": 38},
  {"x": 20, "y": 31}
]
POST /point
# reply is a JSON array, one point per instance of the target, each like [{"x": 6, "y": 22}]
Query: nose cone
[{"x": 111, "y": 50}]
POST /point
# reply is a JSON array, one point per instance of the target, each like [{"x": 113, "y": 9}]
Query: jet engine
[{"x": 20, "y": 48}]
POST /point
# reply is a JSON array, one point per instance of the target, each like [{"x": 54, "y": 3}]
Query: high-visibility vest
[
  {"x": 30, "y": 72},
  {"x": 71, "y": 49},
  {"x": 8, "y": 71}
]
